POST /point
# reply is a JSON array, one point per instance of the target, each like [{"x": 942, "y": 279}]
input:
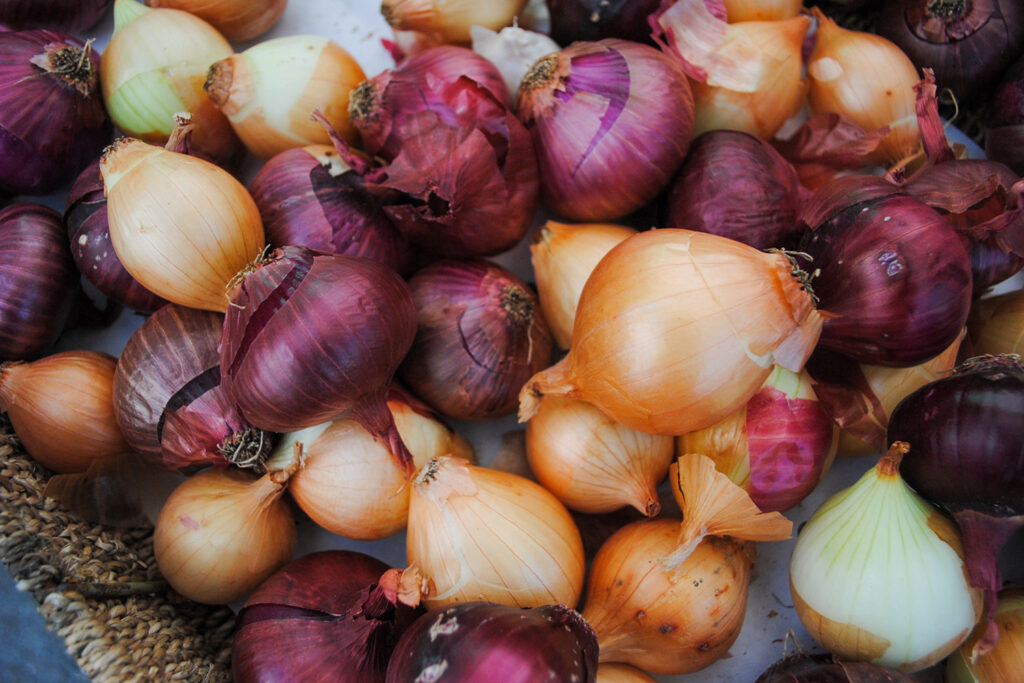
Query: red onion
[
  {"x": 479, "y": 642},
  {"x": 309, "y": 335},
  {"x": 334, "y": 615},
  {"x": 966, "y": 436},
  {"x": 169, "y": 401},
  {"x": 59, "y": 15},
  {"x": 309, "y": 197},
  {"x": 573, "y": 20},
  {"x": 825, "y": 668},
  {"x": 480, "y": 337},
  {"x": 968, "y": 43},
  {"x": 38, "y": 279},
  {"x": 893, "y": 272},
  {"x": 85, "y": 216},
  {"x": 736, "y": 185},
  {"x": 1004, "y": 139},
  {"x": 52, "y": 120},
  {"x": 611, "y": 122}
]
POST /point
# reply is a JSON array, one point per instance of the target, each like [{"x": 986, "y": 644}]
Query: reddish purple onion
[
  {"x": 480, "y": 337},
  {"x": 478, "y": 642},
  {"x": 57, "y": 15},
  {"x": 38, "y": 280},
  {"x": 738, "y": 186},
  {"x": 52, "y": 120},
  {"x": 825, "y": 668},
  {"x": 1004, "y": 139},
  {"x": 966, "y": 436},
  {"x": 334, "y": 615},
  {"x": 310, "y": 335},
  {"x": 573, "y": 20},
  {"x": 169, "y": 401},
  {"x": 309, "y": 197},
  {"x": 893, "y": 272}
]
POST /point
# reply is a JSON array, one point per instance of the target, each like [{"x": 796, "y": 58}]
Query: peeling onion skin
[{"x": 481, "y": 642}]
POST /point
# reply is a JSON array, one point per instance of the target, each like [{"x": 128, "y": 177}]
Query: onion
[
  {"x": 169, "y": 400},
  {"x": 966, "y": 456},
  {"x": 57, "y": 15},
  {"x": 760, "y": 10},
  {"x": 480, "y": 641},
  {"x": 238, "y": 20},
  {"x": 334, "y": 615},
  {"x": 736, "y": 185},
  {"x": 573, "y": 20},
  {"x": 62, "y": 410},
  {"x": 613, "y": 672},
  {"x": 1004, "y": 139},
  {"x": 968, "y": 44},
  {"x": 894, "y": 273},
  {"x": 1006, "y": 659},
  {"x": 479, "y": 338},
  {"x": 805, "y": 668},
  {"x": 677, "y": 329},
  {"x": 309, "y": 197},
  {"x": 449, "y": 21},
  {"x": 513, "y": 51},
  {"x": 611, "y": 122},
  {"x": 52, "y": 121},
  {"x": 40, "y": 282}
]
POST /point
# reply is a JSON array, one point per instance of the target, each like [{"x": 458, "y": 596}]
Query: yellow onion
[
  {"x": 449, "y": 21},
  {"x": 182, "y": 227},
  {"x": 349, "y": 483},
  {"x": 237, "y": 19},
  {"x": 996, "y": 324},
  {"x": 869, "y": 80},
  {"x": 761, "y": 10},
  {"x": 1005, "y": 661},
  {"x": 593, "y": 464},
  {"x": 62, "y": 409},
  {"x": 677, "y": 329},
  {"x": 482, "y": 534},
  {"x": 154, "y": 67},
  {"x": 563, "y": 256},
  {"x": 222, "y": 532},
  {"x": 270, "y": 91}
]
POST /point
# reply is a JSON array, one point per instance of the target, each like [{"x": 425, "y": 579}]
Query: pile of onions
[
  {"x": 611, "y": 121},
  {"x": 677, "y": 329}
]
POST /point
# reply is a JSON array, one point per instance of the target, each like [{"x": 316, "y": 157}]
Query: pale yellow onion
[
  {"x": 154, "y": 67},
  {"x": 181, "y": 226},
  {"x": 482, "y": 534},
  {"x": 222, "y": 532},
  {"x": 563, "y": 256},
  {"x": 892, "y": 385},
  {"x": 449, "y": 21},
  {"x": 349, "y": 483},
  {"x": 270, "y": 91},
  {"x": 593, "y": 464},
  {"x": 761, "y": 10},
  {"x": 1005, "y": 661},
  {"x": 613, "y": 672},
  {"x": 62, "y": 409},
  {"x": 237, "y": 19},
  {"x": 997, "y": 323},
  {"x": 868, "y": 79},
  {"x": 677, "y": 329}
]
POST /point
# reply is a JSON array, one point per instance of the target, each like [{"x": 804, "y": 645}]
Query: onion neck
[
  {"x": 889, "y": 464},
  {"x": 247, "y": 448},
  {"x": 948, "y": 10},
  {"x": 71, "y": 64},
  {"x": 218, "y": 81},
  {"x": 517, "y": 304}
]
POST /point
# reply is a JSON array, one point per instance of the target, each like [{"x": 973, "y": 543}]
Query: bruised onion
[
  {"x": 169, "y": 399},
  {"x": 57, "y": 15},
  {"x": 611, "y": 121},
  {"x": 480, "y": 336},
  {"x": 335, "y": 614},
  {"x": 573, "y": 20},
  {"x": 52, "y": 120},
  {"x": 39, "y": 278},
  {"x": 478, "y": 641},
  {"x": 309, "y": 197}
]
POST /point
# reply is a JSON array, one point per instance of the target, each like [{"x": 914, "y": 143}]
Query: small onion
[
  {"x": 57, "y": 15},
  {"x": 611, "y": 122},
  {"x": 238, "y": 20}
]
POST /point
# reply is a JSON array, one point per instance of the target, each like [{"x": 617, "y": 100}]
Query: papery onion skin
[
  {"x": 40, "y": 282},
  {"x": 480, "y": 337},
  {"x": 52, "y": 120},
  {"x": 238, "y": 20},
  {"x": 308, "y": 197},
  {"x": 736, "y": 185},
  {"x": 584, "y": 108},
  {"x": 323, "y": 616},
  {"x": 57, "y": 15},
  {"x": 825, "y": 668},
  {"x": 478, "y": 641},
  {"x": 573, "y": 20}
]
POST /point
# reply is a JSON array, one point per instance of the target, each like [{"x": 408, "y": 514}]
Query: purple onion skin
[
  {"x": 58, "y": 15},
  {"x": 38, "y": 280},
  {"x": 1004, "y": 140},
  {"x": 824, "y": 668},
  {"x": 480, "y": 337},
  {"x": 481, "y": 642},
  {"x": 736, "y": 185},
  {"x": 895, "y": 275},
  {"x": 303, "y": 204},
  {"x": 573, "y": 20},
  {"x": 51, "y": 125},
  {"x": 320, "y": 618},
  {"x": 968, "y": 44},
  {"x": 168, "y": 400},
  {"x": 85, "y": 216}
]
